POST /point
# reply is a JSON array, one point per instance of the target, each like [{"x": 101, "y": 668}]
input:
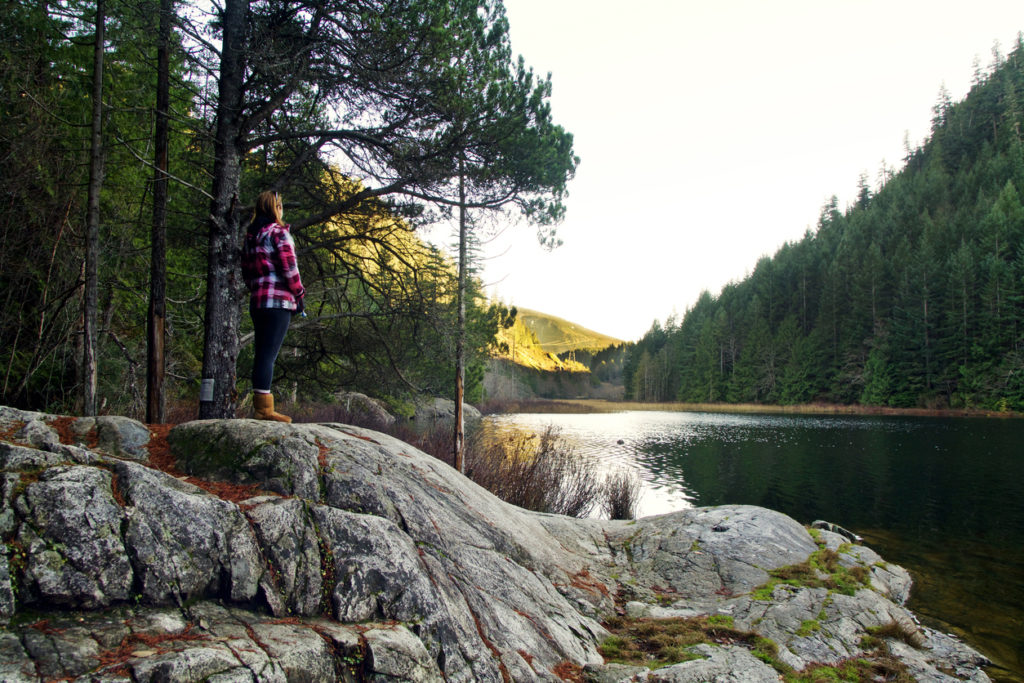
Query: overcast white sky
[{"x": 710, "y": 133}]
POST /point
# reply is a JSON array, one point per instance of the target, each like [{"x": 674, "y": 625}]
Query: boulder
[
  {"x": 437, "y": 411},
  {"x": 327, "y": 552},
  {"x": 122, "y": 436},
  {"x": 365, "y": 409},
  {"x": 80, "y": 439},
  {"x": 730, "y": 664}
]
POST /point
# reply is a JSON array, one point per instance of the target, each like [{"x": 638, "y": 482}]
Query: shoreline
[{"x": 581, "y": 405}]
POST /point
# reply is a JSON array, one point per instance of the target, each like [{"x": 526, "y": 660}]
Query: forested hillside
[
  {"x": 135, "y": 135},
  {"x": 912, "y": 296}
]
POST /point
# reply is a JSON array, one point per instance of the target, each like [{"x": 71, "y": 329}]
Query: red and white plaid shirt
[{"x": 270, "y": 269}]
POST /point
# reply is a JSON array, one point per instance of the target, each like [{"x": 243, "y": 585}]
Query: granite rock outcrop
[{"x": 239, "y": 550}]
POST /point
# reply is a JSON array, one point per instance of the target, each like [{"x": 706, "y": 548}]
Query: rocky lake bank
[{"x": 237, "y": 550}]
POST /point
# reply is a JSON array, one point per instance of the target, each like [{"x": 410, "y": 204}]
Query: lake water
[{"x": 943, "y": 498}]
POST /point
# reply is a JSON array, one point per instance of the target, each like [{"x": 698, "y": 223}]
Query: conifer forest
[
  {"x": 913, "y": 296},
  {"x": 136, "y": 134}
]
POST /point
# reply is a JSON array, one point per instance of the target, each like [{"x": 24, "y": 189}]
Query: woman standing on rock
[{"x": 275, "y": 293}]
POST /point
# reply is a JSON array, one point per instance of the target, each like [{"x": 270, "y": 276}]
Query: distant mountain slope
[
  {"x": 542, "y": 356},
  {"x": 519, "y": 344},
  {"x": 556, "y": 335}
]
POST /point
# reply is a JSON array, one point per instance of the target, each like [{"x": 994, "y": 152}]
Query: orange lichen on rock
[
  {"x": 160, "y": 455},
  {"x": 586, "y": 581},
  {"x": 568, "y": 671},
  {"x": 161, "y": 458},
  {"x": 131, "y": 644},
  {"x": 8, "y": 433},
  {"x": 67, "y": 434}
]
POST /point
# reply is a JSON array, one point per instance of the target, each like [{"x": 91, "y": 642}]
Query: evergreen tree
[{"x": 912, "y": 296}]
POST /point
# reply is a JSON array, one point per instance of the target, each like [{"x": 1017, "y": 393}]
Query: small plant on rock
[
  {"x": 655, "y": 643},
  {"x": 621, "y": 495},
  {"x": 540, "y": 472},
  {"x": 894, "y": 630},
  {"x": 821, "y": 570}
]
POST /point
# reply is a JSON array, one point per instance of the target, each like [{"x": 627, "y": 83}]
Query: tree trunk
[
  {"x": 927, "y": 337},
  {"x": 92, "y": 224},
  {"x": 460, "y": 332},
  {"x": 155, "y": 364},
  {"x": 217, "y": 396}
]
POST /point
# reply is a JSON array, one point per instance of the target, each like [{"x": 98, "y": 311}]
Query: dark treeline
[
  {"x": 371, "y": 118},
  {"x": 605, "y": 365},
  {"x": 911, "y": 297}
]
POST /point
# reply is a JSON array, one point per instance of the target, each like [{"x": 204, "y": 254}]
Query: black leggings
[{"x": 269, "y": 326}]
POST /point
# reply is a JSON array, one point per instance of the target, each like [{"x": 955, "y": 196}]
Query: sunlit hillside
[
  {"x": 557, "y": 336},
  {"x": 520, "y": 345},
  {"x": 589, "y": 365}
]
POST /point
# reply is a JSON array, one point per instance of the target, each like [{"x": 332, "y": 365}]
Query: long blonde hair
[{"x": 268, "y": 208}]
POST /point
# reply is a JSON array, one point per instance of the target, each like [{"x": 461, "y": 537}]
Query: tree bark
[
  {"x": 92, "y": 224},
  {"x": 460, "y": 332},
  {"x": 155, "y": 361},
  {"x": 218, "y": 398}
]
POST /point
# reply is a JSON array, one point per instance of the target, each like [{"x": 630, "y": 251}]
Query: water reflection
[{"x": 942, "y": 497}]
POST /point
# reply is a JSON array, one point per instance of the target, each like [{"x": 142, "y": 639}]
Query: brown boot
[{"x": 263, "y": 408}]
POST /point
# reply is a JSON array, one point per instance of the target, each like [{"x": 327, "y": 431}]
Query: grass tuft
[
  {"x": 655, "y": 643},
  {"x": 540, "y": 472},
  {"x": 821, "y": 570},
  {"x": 621, "y": 495},
  {"x": 895, "y": 630}
]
